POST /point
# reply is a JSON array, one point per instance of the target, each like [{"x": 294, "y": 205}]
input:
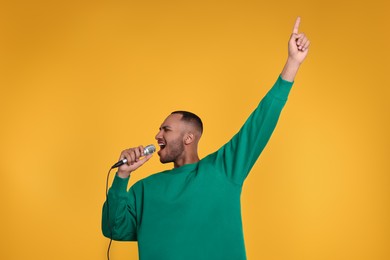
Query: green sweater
[{"x": 193, "y": 212}]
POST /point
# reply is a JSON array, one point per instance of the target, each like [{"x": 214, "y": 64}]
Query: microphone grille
[{"x": 149, "y": 149}]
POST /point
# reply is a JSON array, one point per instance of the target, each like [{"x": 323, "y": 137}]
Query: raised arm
[{"x": 236, "y": 158}]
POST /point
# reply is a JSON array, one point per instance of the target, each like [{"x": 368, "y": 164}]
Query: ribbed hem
[
  {"x": 120, "y": 184},
  {"x": 281, "y": 89}
]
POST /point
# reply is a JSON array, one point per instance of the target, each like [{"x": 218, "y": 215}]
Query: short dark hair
[{"x": 190, "y": 117}]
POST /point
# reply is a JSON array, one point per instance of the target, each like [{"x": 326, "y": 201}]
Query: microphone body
[{"x": 149, "y": 149}]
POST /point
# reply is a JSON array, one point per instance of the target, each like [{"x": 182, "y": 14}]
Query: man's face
[{"x": 170, "y": 138}]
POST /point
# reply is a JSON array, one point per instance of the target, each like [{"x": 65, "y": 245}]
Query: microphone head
[{"x": 149, "y": 149}]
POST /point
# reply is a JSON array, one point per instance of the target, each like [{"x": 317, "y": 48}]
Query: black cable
[{"x": 108, "y": 215}]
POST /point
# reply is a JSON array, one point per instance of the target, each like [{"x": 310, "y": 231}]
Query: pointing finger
[{"x": 296, "y": 25}]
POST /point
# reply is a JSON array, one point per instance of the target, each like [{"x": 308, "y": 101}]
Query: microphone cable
[
  {"x": 108, "y": 214},
  {"x": 149, "y": 149}
]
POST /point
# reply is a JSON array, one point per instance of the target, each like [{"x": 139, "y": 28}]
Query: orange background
[{"x": 80, "y": 81}]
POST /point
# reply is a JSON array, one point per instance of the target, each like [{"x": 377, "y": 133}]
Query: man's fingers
[
  {"x": 145, "y": 159},
  {"x": 296, "y": 25},
  {"x": 132, "y": 155},
  {"x": 137, "y": 154},
  {"x": 303, "y": 43},
  {"x": 138, "y": 151},
  {"x": 126, "y": 155},
  {"x": 301, "y": 40},
  {"x": 306, "y": 46},
  {"x": 141, "y": 161},
  {"x": 135, "y": 158}
]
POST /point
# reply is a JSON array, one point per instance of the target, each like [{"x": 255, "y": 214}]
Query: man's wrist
[
  {"x": 290, "y": 69},
  {"x": 123, "y": 175}
]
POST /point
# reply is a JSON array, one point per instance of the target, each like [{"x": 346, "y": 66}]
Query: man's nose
[{"x": 158, "y": 135}]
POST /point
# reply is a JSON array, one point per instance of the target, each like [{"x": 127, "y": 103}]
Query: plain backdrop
[{"x": 83, "y": 80}]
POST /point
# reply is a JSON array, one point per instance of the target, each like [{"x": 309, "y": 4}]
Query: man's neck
[{"x": 186, "y": 160}]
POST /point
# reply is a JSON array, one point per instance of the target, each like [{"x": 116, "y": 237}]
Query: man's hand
[
  {"x": 134, "y": 160},
  {"x": 298, "y": 47}
]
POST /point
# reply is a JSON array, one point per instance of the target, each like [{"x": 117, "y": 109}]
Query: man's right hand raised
[{"x": 135, "y": 159}]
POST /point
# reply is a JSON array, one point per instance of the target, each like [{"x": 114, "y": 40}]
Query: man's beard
[{"x": 175, "y": 150}]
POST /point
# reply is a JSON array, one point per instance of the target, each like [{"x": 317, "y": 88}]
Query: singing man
[{"x": 193, "y": 211}]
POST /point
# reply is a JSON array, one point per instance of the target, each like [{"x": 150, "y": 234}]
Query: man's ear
[{"x": 189, "y": 138}]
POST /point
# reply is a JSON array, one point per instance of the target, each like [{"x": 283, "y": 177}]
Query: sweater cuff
[
  {"x": 282, "y": 88},
  {"x": 120, "y": 184}
]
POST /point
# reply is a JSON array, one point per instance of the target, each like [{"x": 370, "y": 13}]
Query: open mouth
[{"x": 162, "y": 145}]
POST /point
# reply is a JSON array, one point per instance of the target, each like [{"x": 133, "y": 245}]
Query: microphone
[{"x": 149, "y": 149}]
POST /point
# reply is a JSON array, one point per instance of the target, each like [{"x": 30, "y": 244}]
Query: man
[{"x": 192, "y": 212}]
